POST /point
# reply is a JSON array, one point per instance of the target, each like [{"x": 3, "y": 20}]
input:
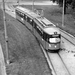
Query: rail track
[
  {"x": 70, "y": 38},
  {"x": 55, "y": 60},
  {"x": 64, "y": 64},
  {"x": 56, "y": 63}
]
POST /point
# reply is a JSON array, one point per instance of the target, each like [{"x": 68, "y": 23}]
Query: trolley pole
[
  {"x": 63, "y": 14},
  {"x": 5, "y": 30},
  {"x": 32, "y": 5}
]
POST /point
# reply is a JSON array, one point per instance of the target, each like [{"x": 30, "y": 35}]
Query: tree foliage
[
  {"x": 73, "y": 4},
  {"x": 67, "y": 2},
  {"x": 66, "y": 5}
]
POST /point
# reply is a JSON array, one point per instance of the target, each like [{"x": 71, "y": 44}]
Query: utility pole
[
  {"x": 63, "y": 13},
  {"x": 32, "y": 5},
  {"x": 5, "y": 30},
  {"x": 18, "y": 2}
]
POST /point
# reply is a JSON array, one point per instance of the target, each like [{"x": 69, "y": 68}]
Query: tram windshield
[{"x": 54, "y": 38}]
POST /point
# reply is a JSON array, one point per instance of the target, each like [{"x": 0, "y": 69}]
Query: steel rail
[
  {"x": 48, "y": 61},
  {"x": 71, "y": 36},
  {"x": 69, "y": 39},
  {"x": 64, "y": 64},
  {"x": 67, "y": 33}
]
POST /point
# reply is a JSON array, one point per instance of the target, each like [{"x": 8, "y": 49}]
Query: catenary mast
[{"x": 5, "y": 31}]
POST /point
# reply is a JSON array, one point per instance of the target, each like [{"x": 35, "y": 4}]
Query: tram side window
[
  {"x": 39, "y": 30},
  {"x": 59, "y": 35},
  {"x": 28, "y": 19},
  {"x": 17, "y": 12},
  {"x": 25, "y": 17},
  {"x": 45, "y": 37},
  {"x": 35, "y": 25},
  {"x": 31, "y": 22},
  {"x": 21, "y": 14}
]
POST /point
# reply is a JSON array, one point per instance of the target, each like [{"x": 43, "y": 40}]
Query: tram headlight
[{"x": 54, "y": 40}]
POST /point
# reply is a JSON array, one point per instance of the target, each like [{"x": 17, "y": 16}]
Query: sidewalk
[{"x": 2, "y": 63}]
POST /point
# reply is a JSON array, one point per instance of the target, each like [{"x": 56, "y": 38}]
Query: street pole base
[
  {"x": 7, "y": 62},
  {"x": 63, "y": 25}
]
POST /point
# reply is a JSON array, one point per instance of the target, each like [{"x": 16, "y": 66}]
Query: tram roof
[
  {"x": 49, "y": 27},
  {"x": 29, "y": 12},
  {"x": 51, "y": 30},
  {"x": 44, "y": 22}
]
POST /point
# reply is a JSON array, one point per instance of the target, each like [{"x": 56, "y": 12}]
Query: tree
[
  {"x": 66, "y": 4},
  {"x": 73, "y": 4},
  {"x": 60, "y": 2}
]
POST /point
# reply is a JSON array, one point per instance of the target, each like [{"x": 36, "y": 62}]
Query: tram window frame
[
  {"x": 59, "y": 35},
  {"x": 34, "y": 25},
  {"x": 21, "y": 14},
  {"x": 28, "y": 19},
  {"x": 46, "y": 36},
  {"x": 31, "y": 22},
  {"x": 39, "y": 30},
  {"x": 25, "y": 17},
  {"x": 17, "y": 12}
]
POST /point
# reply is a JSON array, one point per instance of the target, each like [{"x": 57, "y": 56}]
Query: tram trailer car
[{"x": 46, "y": 32}]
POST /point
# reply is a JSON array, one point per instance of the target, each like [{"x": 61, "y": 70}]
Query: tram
[{"x": 46, "y": 32}]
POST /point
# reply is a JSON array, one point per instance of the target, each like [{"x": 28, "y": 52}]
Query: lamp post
[
  {"x": 5, "y": 30},
  {"x": 18, "y": 2},
  {"x": 32, "y": 5},
  {"x": 63, "y": 14}
]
